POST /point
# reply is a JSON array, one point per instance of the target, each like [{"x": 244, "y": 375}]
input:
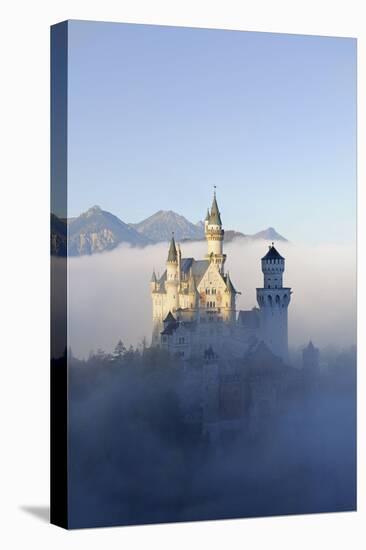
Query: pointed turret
[
  {"x": 229, "y": 285},
  {"x": 310, "y": 358},
  {"x": 153, "y": 282},
  {"x": 272, "y": 254},
  {"x": 172, "y": 255},
  {"x": 215, "y": 218},
  {"x": 172, "y": 282}
]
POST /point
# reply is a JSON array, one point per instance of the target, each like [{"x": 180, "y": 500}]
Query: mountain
[
  {"x": 230, "y": 235},
  {"x": 97, "y": 230},
  {"x": 269, "y": 234},
  {"x": 160, "y": 226}
]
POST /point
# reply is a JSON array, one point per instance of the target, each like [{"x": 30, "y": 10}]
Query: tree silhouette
[{"x": 119, "y": 351}]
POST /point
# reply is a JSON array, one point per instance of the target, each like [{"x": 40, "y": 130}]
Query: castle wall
[{"x": 273, "y": 305}]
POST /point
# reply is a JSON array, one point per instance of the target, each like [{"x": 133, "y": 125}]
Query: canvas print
[{"x": 203, "y": 256}]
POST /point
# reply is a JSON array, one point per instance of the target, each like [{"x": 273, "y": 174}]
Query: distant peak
[
  {"x": 93, "y": 210},
  {"x": 169, "y": 213}
]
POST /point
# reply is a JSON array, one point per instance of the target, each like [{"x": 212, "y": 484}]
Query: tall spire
[
  {"x": 172, "y": 255},
  {"x": 215, "y": 218}
]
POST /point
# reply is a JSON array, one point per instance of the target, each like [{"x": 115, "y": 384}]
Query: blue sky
[{"x": 158, "y": 115}]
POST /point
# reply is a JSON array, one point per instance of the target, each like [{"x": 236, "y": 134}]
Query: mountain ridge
[{"x": 97, "y": 230}]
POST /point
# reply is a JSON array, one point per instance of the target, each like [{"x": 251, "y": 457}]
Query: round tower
[
  {"x": 273, "y": 300},
  {"x": 172, "y": 277},
  {"x": 215, "y": 236}
]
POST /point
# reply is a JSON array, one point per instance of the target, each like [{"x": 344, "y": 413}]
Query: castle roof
[
  {"x": 192, "y": 283},
  {"x": 169, "y": 318},
  {"x": 262, "y": 358},
  {"x": 177, "y": 325},
  {"x": 215, "y": 218},
  {"x": 189, "y": 266},
  {"x": 197, "y": 267},
  {"x": 229, "y": 284},
  {"x": 153, "y": 277},
  {"x": 249, "y": 319},
  {"x": 272, "y": 254},
  {"x": 172, "y": 255}
]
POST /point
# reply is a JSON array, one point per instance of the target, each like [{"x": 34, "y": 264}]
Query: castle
[{"x": 194, "y": 303}]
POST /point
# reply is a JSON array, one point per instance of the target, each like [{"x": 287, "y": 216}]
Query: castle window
[
  {"x": 181, "y": 340},
  {"x": 270, "y": 300},
  {"x": 277, "y": 299}
]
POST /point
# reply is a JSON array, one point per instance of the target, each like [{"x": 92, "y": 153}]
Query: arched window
[
  {"x": 277, "y": 299},
  {"x": 270, "y": 300}
]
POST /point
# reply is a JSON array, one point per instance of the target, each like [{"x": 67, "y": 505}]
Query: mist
[{"x": 109, "y": 293}]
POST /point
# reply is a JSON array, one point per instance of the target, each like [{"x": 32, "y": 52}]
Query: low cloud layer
[{"x": 109, "y": 293}]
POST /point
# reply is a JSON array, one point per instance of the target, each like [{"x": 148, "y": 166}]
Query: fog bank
[{"x": 109, "y": 293}]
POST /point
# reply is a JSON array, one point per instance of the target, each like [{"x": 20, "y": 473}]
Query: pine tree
[{"x": 119, "y": 351}]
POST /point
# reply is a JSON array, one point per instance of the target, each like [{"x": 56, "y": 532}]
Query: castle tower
[
  {"x": 310, "y": 358},
  {"x": 273, "y": 300},
  {"x": 229, "y": 312},
  {"x": 157, "y": 308},
  {"x": 215, "y": 236},
  {"x": 172, "y": 277}
]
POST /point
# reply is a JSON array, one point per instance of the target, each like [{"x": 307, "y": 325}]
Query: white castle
[{"x": 194, "y": 303}]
